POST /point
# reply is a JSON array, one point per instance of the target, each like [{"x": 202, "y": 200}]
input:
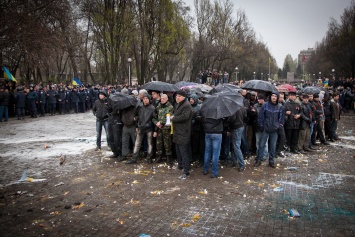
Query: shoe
[
  {"x": 315, "y": 144},
  {"x": 113, "y": 156},
  {"x": 325, "y": 143},
  {"x": 184, "y": 176},
  {"x": 332, "y": 140},
  {"x": 307, "y": 150},
  {"x": 98, "y": 148},
  {"x": 214, "y": 176},
  {"x": 131, "y": 162},
  {"x": 295, "y": 152},
  {"x": 272, "y": 165},
  {"x": 302, "y": 152},
  {"x": 257, "y": 163},
  {"x": 280, "y": 154},
  {"x": 205, "y": 172},
  {"x": 121, "y": 158},
  {"x": 241, "y": 169},
  {"x": 312, "y": 148}
]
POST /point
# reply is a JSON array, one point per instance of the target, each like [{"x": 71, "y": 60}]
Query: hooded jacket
[
  {"x": 144, "y": 116},
  {"x": 270, "y": 117},
  {"x": 100, "y": 109}
]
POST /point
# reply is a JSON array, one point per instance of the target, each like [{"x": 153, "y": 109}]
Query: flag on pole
[
  {"x": 77, "y": 82},
  {"x": 8, "y": 75},
  {"x": 304, "y": 58}
]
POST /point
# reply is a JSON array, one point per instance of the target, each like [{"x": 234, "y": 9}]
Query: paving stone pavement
[{"x": 102, "y": 197}]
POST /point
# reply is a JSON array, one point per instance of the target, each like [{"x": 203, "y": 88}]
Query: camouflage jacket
[{"x": 162, "y": 110}]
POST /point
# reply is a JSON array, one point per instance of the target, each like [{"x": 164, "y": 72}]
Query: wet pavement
[{"x": 90, "y": 194}]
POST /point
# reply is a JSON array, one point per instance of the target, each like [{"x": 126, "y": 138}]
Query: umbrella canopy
[
  {"x": 221, "y": 105},
  {"x": 289, "y": 87},
  {"x": 205, "y": 88},
  {"x": 160, "y": 86},
  {"x": 282, "y": 89},
  {"x": 259, "y": 85},
  {"x": 185, "y": 83},
  {"x": 225, "y": 87},
  {"x": 311, "y": 89},
  {"x": 122, "y": 101}
]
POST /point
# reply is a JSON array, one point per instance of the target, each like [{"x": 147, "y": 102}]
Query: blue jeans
[
  {"x": 99, "y": 125},
  {"x": 258, "y": 136},
  {"x": 213, "y": 143},
  {"x": 237, "y": 154},
  {"x": 272, "y": 136},
  {"x": 4, "y": 109}
]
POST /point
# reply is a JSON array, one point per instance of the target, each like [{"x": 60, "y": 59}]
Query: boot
[
  {"x": 158, "y": 160},
  {"x": 133, "y": 160},
  {"x": 121, "y": 158},
  {"x": 170, "y": 161}
]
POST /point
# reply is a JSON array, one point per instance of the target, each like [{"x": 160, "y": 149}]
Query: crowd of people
[{"x": 169, "y": 126}]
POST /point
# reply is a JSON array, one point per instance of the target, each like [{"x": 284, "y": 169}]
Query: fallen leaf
[
  {"x": 185, "y": 224},
  {"x": 196, "y": 217},
  {"x": 78, "y": 205},
  {"x": 158, "y": 192}
]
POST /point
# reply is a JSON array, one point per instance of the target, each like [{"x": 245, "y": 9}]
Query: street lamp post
[
  {"x": 320, "y": 75},
  {"x": 333, "y": 71},
  {"x": 262, "y": 74},
  {"x": 236, "y": 74},
  {"x": 254, "y": 75},
  {"x": 129, "y": 71}
]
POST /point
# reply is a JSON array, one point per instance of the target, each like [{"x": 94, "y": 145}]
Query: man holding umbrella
[{"x": 271, "y": 117}]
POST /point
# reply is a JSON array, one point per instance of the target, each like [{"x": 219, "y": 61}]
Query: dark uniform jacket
[{"x": 290, "y": 121}]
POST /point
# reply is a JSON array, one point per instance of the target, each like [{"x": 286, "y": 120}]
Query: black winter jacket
[{"x": 101, "y": 110}]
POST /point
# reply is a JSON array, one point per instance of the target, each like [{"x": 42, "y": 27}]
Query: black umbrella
[
  {"x": 225, "y": 87},
  {"x": 185, "y": 83},
  {"x": 311, "y": 89},
  {"x": 259, "y": 85},
  {"x": 122, "y": 101},
  {"x": 160, "y": 86},
  {"x": 221, "y": 105}
]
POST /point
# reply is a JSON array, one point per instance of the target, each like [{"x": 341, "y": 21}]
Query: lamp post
[
  {"x": 320, "y": 75},
  {"x": 236, "y": 74},
  {"x": 254, "y": 75},
  {"x": 129, "y": 71},
  {"x": 333, "y": 71},
  {"x": 262, "y": 74}
]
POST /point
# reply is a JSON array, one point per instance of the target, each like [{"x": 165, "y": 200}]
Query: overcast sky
[{"x": 289, "y": 26}]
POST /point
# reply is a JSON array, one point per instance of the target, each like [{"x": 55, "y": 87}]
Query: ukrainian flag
[
  {"x": 8, "y": 75},
  {"x": 77, "y": 82}
]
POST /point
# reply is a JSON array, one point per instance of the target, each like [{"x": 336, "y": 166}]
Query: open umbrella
[
  {"x": 221, "y": 105},
  {"x": 120, "y": 100},
  {"x": 259, "y": 85},
  {"x": 205, "y": 88},
  {"x": 282, "y": 89},
  {"x": 185, "y": 83},
  {"x": 289, "y": 87},
  {"x": 225, "y": 87},
  {"x": 311, "y": 89},
  {"x": 160, "y": 86}
]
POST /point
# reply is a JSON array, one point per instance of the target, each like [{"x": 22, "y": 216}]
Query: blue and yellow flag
[
  {"x": 8, "y": 75},
  {"x": 77, "y": 82}
]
